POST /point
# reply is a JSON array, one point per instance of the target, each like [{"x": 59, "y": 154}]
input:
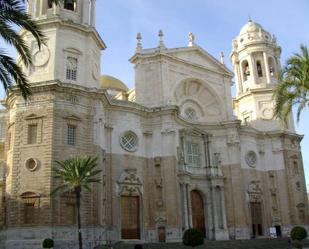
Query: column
[
  {"x": 189, "y": 206},
  {"x": 266, "y": 68},
  {"x": 85, "y": 12},
  {"x": 252, "y": 71},
  {"x": 238, "y": 78},
  {"x": 185, "y": 206},
  {"x": 223, "y": 208},
  {"x": 214, "y": 209},
  {"x": 41, "y": 7},
  {"x": 93, "y": 13}
]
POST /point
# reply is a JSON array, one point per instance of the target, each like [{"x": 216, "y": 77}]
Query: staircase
[{"x": 282, "y": 243}]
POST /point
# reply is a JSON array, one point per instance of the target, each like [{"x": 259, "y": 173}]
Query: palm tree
[
  {"x": 12, "y": 14},
  {"x": 293, "y": 89},
  {"x": 77, "y": 173}
]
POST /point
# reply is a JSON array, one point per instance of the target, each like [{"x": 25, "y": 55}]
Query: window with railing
[
  {"x": 193, "y": 154},
  {"x": 71, "y": 70},
  {"x": 71, "y": 135}
]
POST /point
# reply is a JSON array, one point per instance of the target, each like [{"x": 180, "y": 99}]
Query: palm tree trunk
[{"x": 80, "y": 240}]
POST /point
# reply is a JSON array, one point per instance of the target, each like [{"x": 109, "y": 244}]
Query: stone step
[{"x": 282, "y": 243}]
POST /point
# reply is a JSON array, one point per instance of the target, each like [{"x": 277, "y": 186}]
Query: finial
[
  {"x": 191, "y": 40},
  {"x": 139, "y": 42},
  {"x": 222, "y": 57},
  {"x": 161, "y": 42},
  {"x": 249, "y": 16}
]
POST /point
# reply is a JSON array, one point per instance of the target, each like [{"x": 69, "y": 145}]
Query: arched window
[
  {"x": 69, "y": 5},
  {"x": 71, "y": 70},
  {"x": 190, "y": 114},
  {"x": 295, "y": 168},
  {"x": 259, "y": 69},
  {"x": 50, "y": 4},
  {"x": 245, "y": 69},
  {"x": 271, "y": 65}
]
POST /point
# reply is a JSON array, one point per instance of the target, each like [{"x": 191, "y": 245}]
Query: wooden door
[
  {"x": 161, "y": 232},
  {"x": 256, "y": 218},
  {"x": 130, "y": 217},
  {"x": 198, "y": 217}
]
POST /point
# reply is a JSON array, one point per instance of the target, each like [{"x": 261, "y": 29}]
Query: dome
[
  {"x": 250, "y": 27},
  {"x": 112, "y": 83}
]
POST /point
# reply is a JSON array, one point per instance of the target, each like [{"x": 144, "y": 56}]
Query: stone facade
[{"x": 172, "y": 153}]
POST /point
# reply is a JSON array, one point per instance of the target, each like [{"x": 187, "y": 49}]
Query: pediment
[
  {"x": 33, "y": 116},
  {"x": 198, "y": 56},
  {"x": 72, "y": 117}
]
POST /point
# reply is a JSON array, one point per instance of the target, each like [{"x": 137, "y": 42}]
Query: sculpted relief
[{"x": 197, "y": 101}]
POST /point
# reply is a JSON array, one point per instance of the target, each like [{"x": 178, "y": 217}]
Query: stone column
[
  {"x": 223, "y": 208},
  {"x": 41, "y": 7},
  {"x": 238, "y": 78},
  {"x": 253, "y": 70},
  {"x": 92, "y": 13},
  {"x": 266, "y": 68},
  {"x": 214, "y": 209},
  {"x": 189, "y": 206},
  {"x": 185, "y": 206},
  {"x": 85, "y": 12}
]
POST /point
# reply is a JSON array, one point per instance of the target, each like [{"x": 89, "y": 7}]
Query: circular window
[
  {"x": 31, "y": 164},
  {"x": 190, "y": 114},
  {"x": 128, "y": 141},
  {"x": 251, "y": 158}
]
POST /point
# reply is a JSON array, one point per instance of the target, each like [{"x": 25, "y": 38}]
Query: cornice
[{"x": 56, "y": 21}]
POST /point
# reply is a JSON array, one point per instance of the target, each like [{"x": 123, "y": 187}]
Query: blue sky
[{"x": 214, "y": 22}]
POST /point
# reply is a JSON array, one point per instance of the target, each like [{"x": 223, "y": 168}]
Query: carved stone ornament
[
  {"x": 251, "y": 158},
  {"x": 129, "y": 183},
  {"x": 255, "y": 191}
]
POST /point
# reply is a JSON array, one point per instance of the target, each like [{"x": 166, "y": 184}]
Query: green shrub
[
  {"x": 48, "y": 243},
  {"x": 193, "y": 237},
  {"x": 298, "y": 233}
]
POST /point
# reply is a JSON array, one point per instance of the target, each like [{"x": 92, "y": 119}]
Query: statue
[{"x": 191, "y": 40}]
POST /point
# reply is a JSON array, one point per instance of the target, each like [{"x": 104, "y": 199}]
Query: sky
[{"x": 214, "y": 23}]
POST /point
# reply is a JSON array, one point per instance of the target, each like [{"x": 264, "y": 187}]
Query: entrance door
[
  {"x": 198, "y": 218},
  {"x": 256, "y": 218},
  {"x": 130, "y": 220},
  {"x": 161, "y": 231},
  {"x": 278, "y": 230}
]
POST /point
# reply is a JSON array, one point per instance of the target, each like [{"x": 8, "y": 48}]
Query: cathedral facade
[{"x": 176, "y": 151}]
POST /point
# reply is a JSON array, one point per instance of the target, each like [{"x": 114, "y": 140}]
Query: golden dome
[{"x": 111, "y": 83}]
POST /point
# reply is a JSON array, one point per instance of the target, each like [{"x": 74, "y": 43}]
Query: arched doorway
[
  {"x": 198, "y": 217},
  {"x": 130, "y": 217},
  {"x": 256, "y": 218}
]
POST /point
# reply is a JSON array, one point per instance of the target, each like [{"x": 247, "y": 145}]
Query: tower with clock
[{"x": 71, "y": 41}]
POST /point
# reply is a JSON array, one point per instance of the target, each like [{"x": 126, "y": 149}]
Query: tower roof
[{"x": 251, "y": 27}]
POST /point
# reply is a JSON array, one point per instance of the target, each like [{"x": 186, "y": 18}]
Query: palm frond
[{"x": 293, "y": 89}]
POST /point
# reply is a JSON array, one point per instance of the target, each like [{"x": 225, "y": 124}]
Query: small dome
[
  {"x": 112, "y": 83},
  {"x": 250, "y": 27}
]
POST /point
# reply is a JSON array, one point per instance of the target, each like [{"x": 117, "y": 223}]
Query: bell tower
[
  {"x": 72, "y": 46},
  {"x": 256, "y": 60}
]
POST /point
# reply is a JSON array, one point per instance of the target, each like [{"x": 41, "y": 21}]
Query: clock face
[
  {"x": 72, "y": 63},
  {"x": 95, "y": 71},
  {"x": 41, "y": 56}
]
